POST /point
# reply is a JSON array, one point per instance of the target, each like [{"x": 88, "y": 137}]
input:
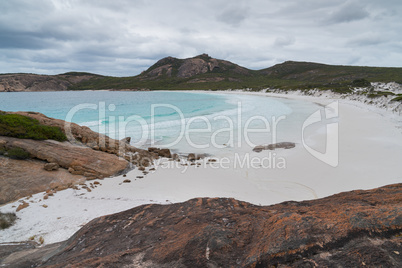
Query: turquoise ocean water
[{"x": 183, "y": 121}]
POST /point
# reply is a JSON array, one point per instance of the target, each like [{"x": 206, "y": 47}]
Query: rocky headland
[
  {"x": 351, "y": 229},
  {"x": 52, "y": 165},
  {"x": 56, "y": 165},
  {"x": 35, "y": 82}
]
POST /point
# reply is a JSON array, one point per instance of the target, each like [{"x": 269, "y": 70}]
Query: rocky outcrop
[
  {"x": 157, "y": 152},
  {"x": 20, "y": 178},
  {"x": 82, "y": 135},
  {"x": 23, "y": 254},
  {"x": 279, "y": 145},
  {"x": 190, "y": 67},
  {"x": 352, "y": 229},
  {"x": 77, "y": 159},
  {"x": 86, "y": 155},
  {"x": 194, "y": 66},
  {"x": 35, "y": 82}
]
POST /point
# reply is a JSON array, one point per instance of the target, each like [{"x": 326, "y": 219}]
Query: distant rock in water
[
  {"x": 284, "y": 145},
  {"x": 351, "y": 229}
]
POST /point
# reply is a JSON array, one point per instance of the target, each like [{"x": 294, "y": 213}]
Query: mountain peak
[
  {"x": 190, "y": 67},
  {"x": 203, "y": 56}
]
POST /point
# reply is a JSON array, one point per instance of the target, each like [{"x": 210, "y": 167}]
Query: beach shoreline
[{"x": 370, "y": 145}]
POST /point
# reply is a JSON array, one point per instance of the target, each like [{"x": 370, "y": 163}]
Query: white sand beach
[{"x": 370, "y": 150}]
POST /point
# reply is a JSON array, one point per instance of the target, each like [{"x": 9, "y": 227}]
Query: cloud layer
[{"x": 124, "y": 37}]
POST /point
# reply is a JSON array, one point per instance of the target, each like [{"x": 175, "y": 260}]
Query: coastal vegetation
[
  {"x": 23, "y": 127},
  {"x": 15, "y": 153}
]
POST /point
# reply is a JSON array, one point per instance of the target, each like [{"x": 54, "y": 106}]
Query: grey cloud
[
  {"x": 367, "y": 40},
  {"x": 21, "y": 40},
  {"x": 349, "y": 12},
  {"x": 283, "y": 41},
  {"x": 233, "y": 16},
  {"x": 124, "y": 37}
]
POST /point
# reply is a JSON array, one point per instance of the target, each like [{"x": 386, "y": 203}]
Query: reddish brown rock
[
  {"x": 84, "y": 135},
  {"x": 160, "y": 152},
  {"x": 20, "y": 178},
  {"x": 78, "y": 160},
  {"x": 22, "y": 206},
  {"x": 358, "y": 228},
  {"x": 87, "y": 154}
]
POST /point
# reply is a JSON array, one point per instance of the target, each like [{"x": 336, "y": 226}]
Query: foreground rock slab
[
  {"x": 352, "y": 229},
  {"x": 80, "y": 160},
  {"x": 19, "y": 178}
]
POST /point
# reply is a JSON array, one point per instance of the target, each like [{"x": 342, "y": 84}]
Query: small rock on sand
[{"x": 22, "y": 206}]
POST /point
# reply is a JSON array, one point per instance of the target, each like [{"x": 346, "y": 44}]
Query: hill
[
  {"x": 205, "y": 72},
  {"x": 36, "y": 82},
  {"x": 308, "y": 74}
]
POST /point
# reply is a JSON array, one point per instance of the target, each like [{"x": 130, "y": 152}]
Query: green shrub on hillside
[
  {"x": 377, "y": 94},
  {"x": 341, "y": 90},
  {"x": 360, "y": 83},
  {"x": 17, "y": 153},
  {"x": 23, "y": 127}
]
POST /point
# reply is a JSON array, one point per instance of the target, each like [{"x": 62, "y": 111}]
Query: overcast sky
[{"x": 125, "y": 37}]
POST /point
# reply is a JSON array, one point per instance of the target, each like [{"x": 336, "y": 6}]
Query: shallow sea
[{"x": 183, "y": 121}]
